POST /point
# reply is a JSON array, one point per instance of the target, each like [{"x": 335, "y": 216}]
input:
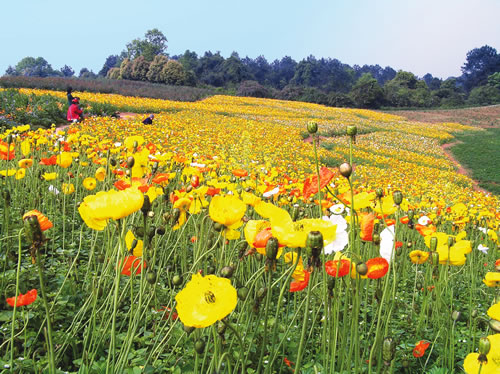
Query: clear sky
[{"x": 421, "y": 36}]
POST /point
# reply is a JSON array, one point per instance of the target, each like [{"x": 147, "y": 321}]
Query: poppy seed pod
[
  {"x": 352, "y": 130},
  {"x": 272, "y": 246},
  {"x": 433, "y": 244},
  {"x": 397, "y": 196},
  {"x": 345, "y": 169},
  {"x": 484, "y": 345},
  {"x": 312, "y": 127},
  {"x": 388, "y": 349},
  {"x": 130, "y": 162}
]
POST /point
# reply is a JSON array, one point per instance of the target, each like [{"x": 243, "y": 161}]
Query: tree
[
  {"x": 405, "y": 90},
  {"x": 140, "y": 69},
  {"x": 494, "y": 80},
  {"x": 449, "y": 94},
  {"x": 484, "y": 95},
  {"x": 432, "y": 82},
  {"x": 34, "y": 67},
  {"x": 86, "y": 73},
  {"x": 173, "y": 73},
  {"x": 112, "y": 61},
  {"x": 126, "y": 69},
  {"x": 367, "y": 93},
  {"x": 67, "y": 71},
  {"x": 233, "y": 69},
  {"x": 479, "y": 64},
  {"x": 11, "y": 71},
  {"x": 155, "y": 68},
  {"x": 113, "y": 73},
  {"x": 155, "y": 43},
  {"x": 282, "y": 71}
]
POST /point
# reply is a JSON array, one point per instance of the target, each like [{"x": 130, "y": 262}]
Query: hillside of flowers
[{"x": 244, "y": 235}]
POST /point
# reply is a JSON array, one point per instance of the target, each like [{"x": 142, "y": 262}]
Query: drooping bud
[
  {"x": 495, "y": 325},
  {"x": 261, "y": 292},
  {"x": 199, "y": 346},
  {"x": 272, "y": 246},
  {"x": 176, "y": 280},
  {"x": 484, "y": 345},
  {"x": 397, "y": 196},
  {"x": 455, "y": 315},
  {"x": 130, "y": 162},
  {"x": 227, "y": 271},
  {"x": 312, "y": 127},
  {"x": 154, "y": 168},
  {"x": 146, "y": 205},
  {"x": 242, "y": 293},
  {"x": 345, "y": 169},
  {"x": 388, "y": 349},
  {"x": 314, "y": 241},
  {"x": 376, "y": 238},
  {"x": 9, "y": 139},
  {"x": 176, "y": 213},
  {"x": 112, "y": 161}
]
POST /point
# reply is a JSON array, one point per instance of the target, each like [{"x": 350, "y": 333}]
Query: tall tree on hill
[
  {"x": 112, "y": 61},
  {"x": 367, "y": 93},
  {"x": 34, "y": 67},
  {"x": 67, "y": 71},
  {"x": 282, "y": 72},
  {"x": 153, "y": 44},
  {"x": 479, "y": 64}
]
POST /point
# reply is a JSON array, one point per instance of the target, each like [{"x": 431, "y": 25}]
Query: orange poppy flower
[
  {"x": 404, "y": 220},
  {"x": 390, "y": 221},
  {"x": 212, "y": 191},
  {"x": 118, "y": 172},
  {"x": 342, "y": 267},
  {"x": 49, "y": 161},
  {"x": 121, "y": 185},
  {"x": 160, "y": 178},
  {"x": 377, "y": 267},
  {"x": 45, "y": 223},
  {"x": 425, "y": 230},
  {"x": 23, "y": 300},
  {"x": 240, "y": 173},
  {"x": 136, "y": 262},
  {"x": 420, "y": 348},
  {"x": 311, "y": 183},
  {"x": 366, "y": 225},
  {"x": 300, "y": 285}
]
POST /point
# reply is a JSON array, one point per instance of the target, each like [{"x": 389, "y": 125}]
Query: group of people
[{"x": 75, "y": 114}]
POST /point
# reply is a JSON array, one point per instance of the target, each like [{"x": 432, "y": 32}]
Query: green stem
[{"x": 15, "y": 303}]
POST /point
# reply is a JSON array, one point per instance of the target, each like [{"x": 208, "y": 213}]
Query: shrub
[
  {"x": 253, "y": 89},
  {"x": 113, "y": 73}
]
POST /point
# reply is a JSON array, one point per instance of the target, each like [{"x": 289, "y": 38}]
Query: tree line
[{"x": 323, "y": 81}]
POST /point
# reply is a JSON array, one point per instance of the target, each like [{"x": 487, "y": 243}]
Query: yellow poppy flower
[
  {"x": 8, "y": 173},
  {"x": 89, "y": 183},
  {"x": 228, "y": 210},
  {"x": 129, "y": 240},
  {"x": 298, "y": 273},
  {"x": 20, "y": 173},
  {"x": 131, "y": 140},
  {"x": 472, "y": 365},
  {"x": 49, "y": 176},
  {"x": 361, "y": 200},
  {"x": 96, "y": 210},
  {"x": 419, "y": 257},
  {"x": 100, "y": 174},
  {"x": 205, "y": 300},
  {"x": 294, "y": 234},
  {"x": 154, "y": 192},
  {"x": 64, "y": 159},
  {"x": 183, "y": 205},
  {"x": 494, "y": 311},
  {"x": 68, "y": 188},
  {"x": 492, "y": 279},
  {"x": 25, "y": 147},
  {"x": 25, "y": 163}
]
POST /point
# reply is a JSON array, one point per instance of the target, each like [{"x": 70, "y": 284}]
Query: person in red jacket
[{"x": 75, "y": 114}]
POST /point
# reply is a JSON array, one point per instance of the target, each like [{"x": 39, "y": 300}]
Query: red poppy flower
[
  {"x": 342, "y": 267},
  {"x": 399, "y": 244},
  {"x": 45, "y": 223},
  {"x": 390, "y": 222},
  {"x": 425, "y": 230},
  {"x": 262, "y": 237},
  {"x": 311, "y": 183},
  {"x": 212, "y": 191},
  {"x": 404, "y": 220},
  {"x": 121, "y": 185},
  {"x": 377, "y": 267},
  {"x": 65, "y": 145},
  {"x": 167, "y": 313},
  {"x": 49, "y": 161},
  {"x": 151, "y": 148},
  {"x": 195, "y": 181},
  {"x": 288, "y": 362},
  {"x": 7, "y": 151},
  {"x": 300, "y": 285},
  {"x": 136, "y": 262},
  {"x": 22, "y": 300},
  {"x": 420, "y": 348},
  {"x": 240, "y": 173},
  {"x": 118, "y": 172},
  {"x": 160, "y": 178},
  {"x": 366, "y": 225},
  {"x": 295, "y": 192}
]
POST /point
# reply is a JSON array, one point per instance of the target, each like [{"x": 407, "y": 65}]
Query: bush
[
  {"x": 484, "y": 95},
  {"x": 252, "y": 89}
]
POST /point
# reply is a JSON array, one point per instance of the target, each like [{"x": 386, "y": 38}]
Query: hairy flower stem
[
  {"x": 266, "y": 312},
  {"x": 317, "y": 172},
  {"x": 305, "y": 323},
  {"x": 15, "y": 303},
  {"x": 52, "y": 366}
]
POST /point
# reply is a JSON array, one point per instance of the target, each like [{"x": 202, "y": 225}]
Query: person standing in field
[
  {"x": 70, "y": 96},
  {"x": 149, "y": 120},
  {"x": 75, "y": 114}
]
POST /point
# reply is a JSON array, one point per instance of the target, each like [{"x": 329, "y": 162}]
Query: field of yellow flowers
[{"x": 218, "y": 239}]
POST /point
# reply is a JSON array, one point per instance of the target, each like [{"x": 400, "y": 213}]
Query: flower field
[{"x": 219, "y": 240}]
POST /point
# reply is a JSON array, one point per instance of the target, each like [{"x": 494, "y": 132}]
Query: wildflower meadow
[{"x": 244, "y": 235}]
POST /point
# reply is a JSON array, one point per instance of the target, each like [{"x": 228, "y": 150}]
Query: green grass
[{"x": 480, "y": 153}]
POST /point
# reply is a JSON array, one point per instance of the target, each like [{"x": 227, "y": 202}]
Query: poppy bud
[
  {"x": 151, "y": 277},
  {"x": 188, "y": 329},
  {"x": 455, "y": 316},
  {"x": 227, "y": 271},
  {"x": 146, "y": 205},
  {"x": 199, "y": 346},
  {"x": 210, "y": 269},
  {"x": 451, "y": 241},
  {"x": 176, "y": 213},
  {"x": 133, "y": 245},
  {"x": 352, "y": 130},
  {"x": 9, "y": 139},
  {"x": 314, "y": 241},
  {"x": 433, "y": 244},
  {"x": 130, "y": 162},
  {"x": 484, "y": 345},
  {"x": 495, "y": 325},
  {"x": 176, "y": 280},
  {"x": 388, "y": 349},
  {"x": 135, "y": 145},
  {"x": 474, "y": 313},
  {"x": 312, "y": 127},
  {"x": 272, "y": 248},
  {"x": 154, "y": 168},
  {"x": 405, "y": 363},
  {"x": 295, "y": 212},
  {"x": 361, "y": 268},
  {"x": 411, "y": 214},
  {"x": 242, "y": 293},
  {"x": 112, "y": 161},
  {"x": 409, "y": 245},
  {"x": 379, "y": 192},
  {"x": 397, "y": 196},
  {"x": 139, "y": 231},
  {"x": 345, "y": 169},
  {"x": 160, "y": 230},
  {"x": 376, "y": 238},
  {"x": 221, "y": 328},
  {"x": 101, "y": 258},
  {"x": 261, "y": 292}
]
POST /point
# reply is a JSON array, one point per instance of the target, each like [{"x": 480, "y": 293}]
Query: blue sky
[{"x": 421, "y": 36}]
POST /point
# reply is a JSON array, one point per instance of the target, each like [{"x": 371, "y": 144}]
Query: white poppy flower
[
  {"x": 483, "y": 248},
  {"x": 424, "y": 220},
  {"x": 272, "y": 192},
  {"x": 341, "y": 235},
  {"x": 387, "y": 243}
]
